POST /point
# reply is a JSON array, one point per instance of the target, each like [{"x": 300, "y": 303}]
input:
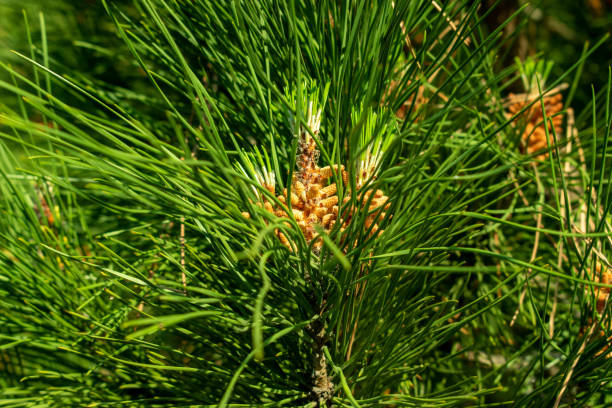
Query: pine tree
[{"x": 302, "y": 204}]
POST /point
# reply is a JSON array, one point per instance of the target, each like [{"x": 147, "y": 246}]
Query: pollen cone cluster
[
  {"x": 534, "y": 135},
  {"x": 603, "y": 275},
  {"x": 314, "y": 199}
]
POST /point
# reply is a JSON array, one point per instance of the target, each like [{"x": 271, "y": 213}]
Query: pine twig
[
  {"x": 571, "y": 371},
  {"x": 322, "y": 387},
  {"x": 182, "y": 242}
]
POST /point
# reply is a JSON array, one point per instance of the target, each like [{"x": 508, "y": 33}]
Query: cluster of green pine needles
[{"x": 130, "y": 275}]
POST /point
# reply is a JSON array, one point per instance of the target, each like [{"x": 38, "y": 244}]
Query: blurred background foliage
[
  {"x": 81, "y": 39},
  {"x": 559, "y": 31}
]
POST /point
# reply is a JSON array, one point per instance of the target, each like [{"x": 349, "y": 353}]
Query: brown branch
[
  {"x": 182, "y": 241},
  {"x": 322, "y": 386},
  {"x": 571, "y": 371}
]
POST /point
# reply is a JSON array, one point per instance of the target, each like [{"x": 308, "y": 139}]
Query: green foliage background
[{"x": 122, "y": 121}]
